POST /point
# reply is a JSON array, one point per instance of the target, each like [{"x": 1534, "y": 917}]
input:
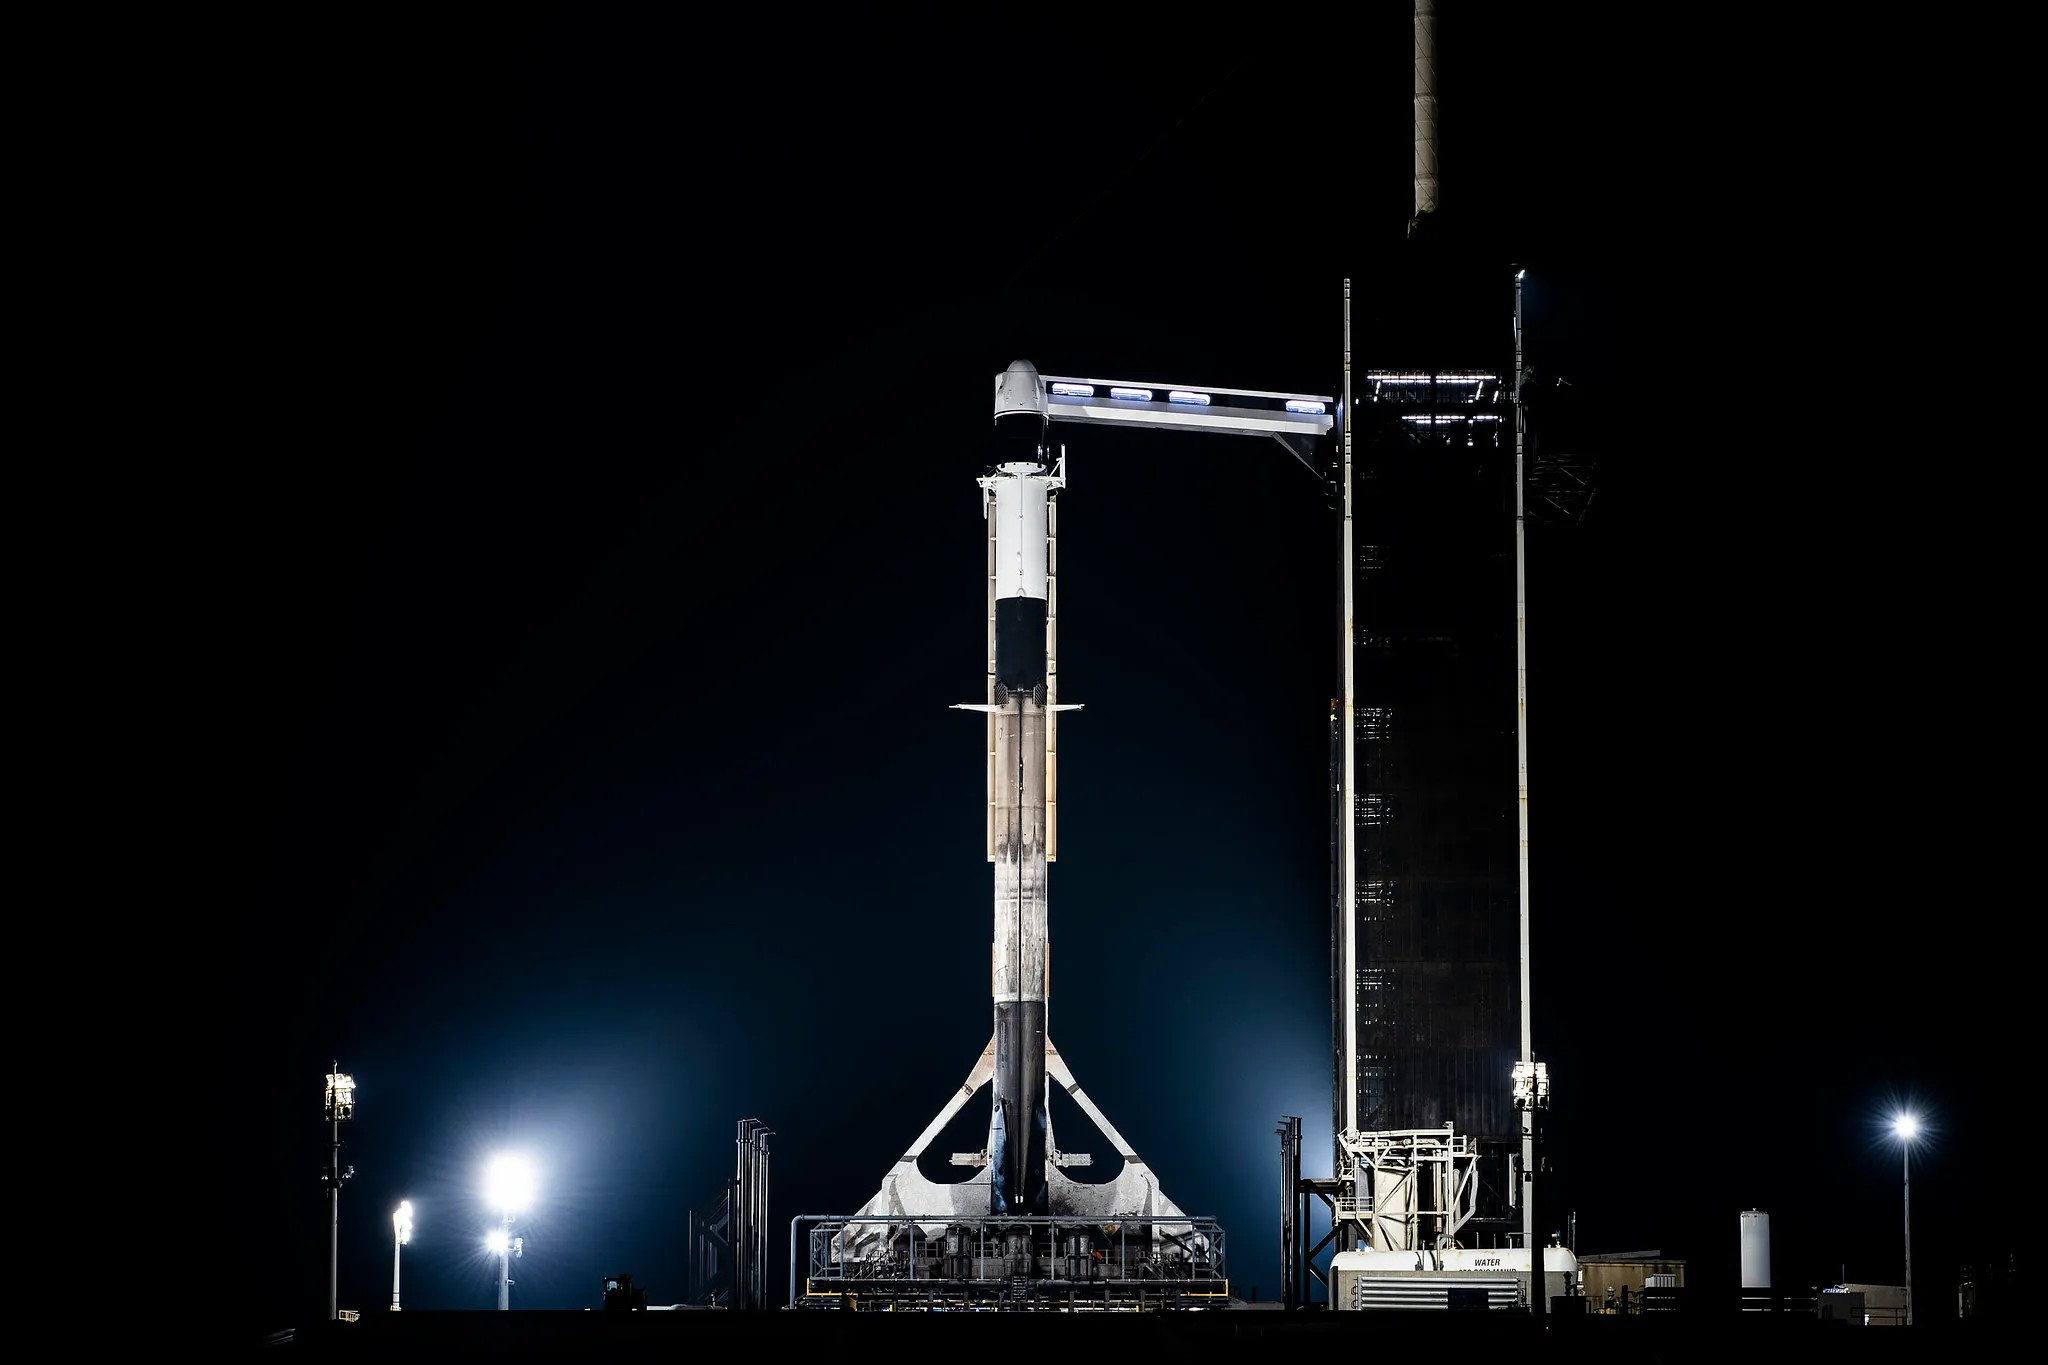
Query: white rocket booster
[{"x": 1017, "y": 497}]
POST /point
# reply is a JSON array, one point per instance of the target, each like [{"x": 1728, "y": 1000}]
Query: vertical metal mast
[
  {"x": 1906, "y": 1175},
  {"x": 1347, "y": 909},
  {"x": 334, "y": 1213},
  {"x": 1522, "y": 805},
  {"x": 747, "y": 1216},
  {"x": 505, "y": 1268},
  {"x": 761, "y": 1216},
  {"x": 340, "y": 1104},
  {"x": 740, "y": 1218},
  {"x": 334, "y": 1218}
]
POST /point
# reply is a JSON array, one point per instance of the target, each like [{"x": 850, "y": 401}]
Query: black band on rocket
[{"x": 1020, "y": 642}]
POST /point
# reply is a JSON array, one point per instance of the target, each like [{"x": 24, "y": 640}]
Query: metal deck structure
[{"x": 1028, "y": 1264}]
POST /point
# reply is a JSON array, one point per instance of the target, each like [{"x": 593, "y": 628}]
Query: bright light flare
[
  {"x": 497, "y": 1242},
  {"x": 509, "y": 1183},
  {"x": 401, "y": 1221},
  {"x": 1906, "y": 1126}
]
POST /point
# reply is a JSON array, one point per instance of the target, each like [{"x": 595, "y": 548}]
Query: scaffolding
[{"x": 1007, "y": 1263}]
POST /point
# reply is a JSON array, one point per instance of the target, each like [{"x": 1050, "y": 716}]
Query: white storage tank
[{"x": 1756, "y": 1249}]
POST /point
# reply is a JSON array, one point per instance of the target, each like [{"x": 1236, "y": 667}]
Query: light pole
[
  {"x": 341, "y": 1104},
  {"x": 401, "y": 1233},
  {"x": 1531, "y": 1082},
  {"x": 508, "y": 1186},
  {"x": 1906, "y": 1126},
  {"x": 506, "y": 1246}
]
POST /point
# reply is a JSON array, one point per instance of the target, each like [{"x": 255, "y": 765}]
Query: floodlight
[
  {"x": 1905, "y": 1125},
  {"x": 341, "y": 1095},
  {"x": 1531, "y": 1085},
  {"x": 509, "y": 1183},
  {"x": 496, "y": 1242}
]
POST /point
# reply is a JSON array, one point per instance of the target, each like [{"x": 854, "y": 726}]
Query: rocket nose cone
[{"x": 1022, "y": 367}]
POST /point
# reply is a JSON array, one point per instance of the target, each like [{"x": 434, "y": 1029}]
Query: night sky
[{"x": 604, "y": 554}]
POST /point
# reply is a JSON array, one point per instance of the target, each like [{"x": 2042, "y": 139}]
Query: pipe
[{"x": 1425, "y": 112}]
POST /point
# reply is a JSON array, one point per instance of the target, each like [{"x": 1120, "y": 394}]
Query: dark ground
[{"x": 1677, "y": 1337}]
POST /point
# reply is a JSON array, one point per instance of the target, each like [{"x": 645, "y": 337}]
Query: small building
[
  {"x": 1884, "y": 1305},
  {"x": 1615, "y": 1281}
]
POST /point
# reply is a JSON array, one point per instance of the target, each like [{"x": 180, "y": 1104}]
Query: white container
[{"x": 1756, "y": 1249}]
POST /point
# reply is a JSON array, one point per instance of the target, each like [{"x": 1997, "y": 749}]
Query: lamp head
[
  {"x": 509, "y": 1183},
  {"x": 341, "y": 1094}
]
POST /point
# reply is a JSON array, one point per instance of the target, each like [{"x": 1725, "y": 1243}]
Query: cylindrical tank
[
  {"x": 1756, "y": 1249},
  {"x": 956, "y": 1253}
]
